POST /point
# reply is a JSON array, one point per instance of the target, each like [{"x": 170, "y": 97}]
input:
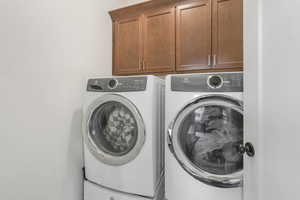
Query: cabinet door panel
[
  {"x": 228, "y": 33},
  {"x": 127, "y": 47},
  {"x": 193, "y": 36},
  {"x": 159, "y": 41}
]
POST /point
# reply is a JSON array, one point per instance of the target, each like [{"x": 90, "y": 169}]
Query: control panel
[
  {"x": 120, "y": 84},
  {"x": 216, "y": 82}
]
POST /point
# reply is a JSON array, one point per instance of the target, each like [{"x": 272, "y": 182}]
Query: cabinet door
[
  {"x": 159, "y": 40},
  {"x": 127, "y": 46},
  {"x": 193, "y": 36},
  {"x": 227, "y": 33}
]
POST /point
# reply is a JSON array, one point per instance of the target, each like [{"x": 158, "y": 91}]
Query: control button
[
  {"x": 112, "y": 83},
  {"x": 215, "y": 81},
  {"x": 96, "y": 87}
]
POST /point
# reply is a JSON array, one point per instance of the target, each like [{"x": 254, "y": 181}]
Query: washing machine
[
  {"x": 123, "y": 129},
  {"x": 204, "y": 136}
]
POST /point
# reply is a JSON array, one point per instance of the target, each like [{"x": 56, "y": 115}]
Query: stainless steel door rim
[
  {"x": 226, "y": 180},
  {"x": 95, "y": 148}
]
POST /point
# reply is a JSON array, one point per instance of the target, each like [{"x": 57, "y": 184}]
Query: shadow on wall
[{"x": 75, "y": 156}]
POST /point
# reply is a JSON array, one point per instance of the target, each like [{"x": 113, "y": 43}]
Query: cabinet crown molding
[{"x": 140, "y": 8}]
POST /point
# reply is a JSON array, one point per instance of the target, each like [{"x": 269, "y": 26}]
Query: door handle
[
  {"x": 248, "y": 149},
  {"x": 169, "y": 138},
  {"x": 209, "y": 60}
]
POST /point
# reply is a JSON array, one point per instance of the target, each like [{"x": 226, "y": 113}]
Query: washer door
[
  {"x": 205, "y": 138},
  {"x": 115, "y": 131}
]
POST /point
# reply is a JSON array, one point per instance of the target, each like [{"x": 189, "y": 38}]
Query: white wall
[
  {"x": 47, "y": 49},
  {"x": 272, "y": 98}
]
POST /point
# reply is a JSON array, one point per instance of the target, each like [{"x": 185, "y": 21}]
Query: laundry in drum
[
  {"x": 119, "y": 129},
  {"x": 212, "y": 135}
]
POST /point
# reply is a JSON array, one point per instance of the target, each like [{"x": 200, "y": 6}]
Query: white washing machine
[
  {"x": 123, "y": 126},
  {"x": 204, "y": 125}
]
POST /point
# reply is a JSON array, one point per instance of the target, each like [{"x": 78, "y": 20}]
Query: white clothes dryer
[{"x": 204, "y": 125}]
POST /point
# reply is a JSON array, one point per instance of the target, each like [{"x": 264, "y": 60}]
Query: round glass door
[
  {"x": 115, "y": 130},
  {"x": 206, "y": 136}
]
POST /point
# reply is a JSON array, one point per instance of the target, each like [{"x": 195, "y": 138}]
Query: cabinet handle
[
  {"x": 144, "y": 65},
  {"x": 209, "y": 60},
  {"x": 140, "y": 65},
  {"x": 215, "y": 60}
]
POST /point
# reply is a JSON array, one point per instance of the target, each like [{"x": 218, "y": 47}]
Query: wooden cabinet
[
  {"x": 193, "y": 36},
  {"x": 159, "y": 41},
  {"x": 145, "y": 44},
  {"x": 183, "y": 36},
  {"x": 127, "y": 46},
  {"x": 214, "y": 40},
  {"x": 227, "y": 33}
]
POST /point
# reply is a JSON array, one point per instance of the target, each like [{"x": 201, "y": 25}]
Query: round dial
[
  {"x": 215, "y": 81},
  {"x": 112, "y": 83}
]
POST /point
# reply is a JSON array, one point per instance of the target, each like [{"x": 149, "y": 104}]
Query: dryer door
[
  {"x": 115, "y": 131},
  {"x": 205, "y": 138}
]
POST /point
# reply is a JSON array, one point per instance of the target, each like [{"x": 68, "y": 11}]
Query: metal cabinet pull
[
  {"x": 140, "y": 64},
  {"x": 209, "y": 60},
  {"x": 144, "y": 64},
  {"x": 215, "y": 60}
]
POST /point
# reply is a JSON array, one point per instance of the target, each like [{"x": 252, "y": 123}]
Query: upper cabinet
[
  {"x": 184, "y": 36},
  {"x": 193, "y": 36},
  {"x": 127, "y": 46},
  {"x": 227, "y": 33},
  {"x": 159, "y": 40}
]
